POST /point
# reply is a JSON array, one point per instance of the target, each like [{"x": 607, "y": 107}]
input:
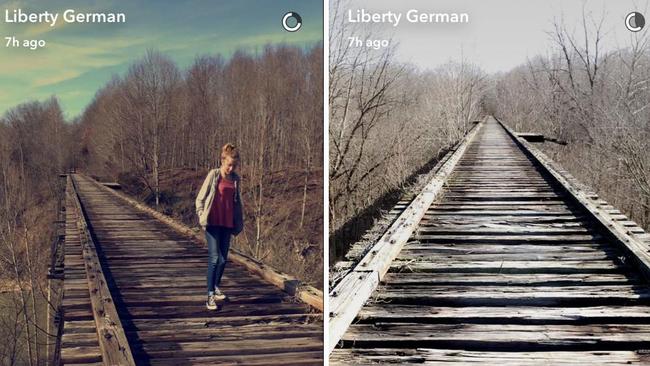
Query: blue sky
[{"x": 78, "y": 59}]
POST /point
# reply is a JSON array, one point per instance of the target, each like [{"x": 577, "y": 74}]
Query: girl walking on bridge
[{"x": 220, "y": 211}]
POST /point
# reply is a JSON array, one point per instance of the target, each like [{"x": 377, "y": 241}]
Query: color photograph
[
  {"x": 161, "y": 170},
  {"x": 489, "y": 182},
  {"x": 336, "y": 182}
]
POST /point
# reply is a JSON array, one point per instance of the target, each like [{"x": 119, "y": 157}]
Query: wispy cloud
[
  {"x": 56, "y": 78},
  {"x": 78, "y": 59}
]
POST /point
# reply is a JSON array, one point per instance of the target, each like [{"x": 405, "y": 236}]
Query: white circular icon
[
  {"x": 634, "y": 21},
  {"x": 285, "y": 21}
]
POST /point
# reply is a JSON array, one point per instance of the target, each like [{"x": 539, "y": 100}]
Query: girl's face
[{"x": 228, "y": 165}]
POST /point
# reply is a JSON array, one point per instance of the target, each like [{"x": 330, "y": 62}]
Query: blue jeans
[{"x": 218, "y": 238}]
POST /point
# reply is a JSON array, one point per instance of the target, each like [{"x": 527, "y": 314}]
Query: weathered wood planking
[
  {"x": 508, "y": 268},
  {"x": 447, "y": 356},
  {"x": 79, "y": 342},
  {"x": 638, "y": 250},
  {"x": 503, "y": 336},
  {"x": 607, "y": 314},
  {"x": 349, "y": 295},
  {"x": 110, "y": 333},
  {"x": 306, "y": 293},
  {"x": 156, "y": 276}
]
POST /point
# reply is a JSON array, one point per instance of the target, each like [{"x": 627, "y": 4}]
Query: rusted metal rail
[
  {"x": 139, "y": 298},
  {"x": 512, "y": 263}
]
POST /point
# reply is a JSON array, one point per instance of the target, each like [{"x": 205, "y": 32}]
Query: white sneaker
[
  {"x": 211, "y": 304},
  {"x": 218, "y": 295}
]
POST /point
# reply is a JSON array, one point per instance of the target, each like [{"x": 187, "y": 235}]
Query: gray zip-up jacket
[{"x": 205, "y": 197}]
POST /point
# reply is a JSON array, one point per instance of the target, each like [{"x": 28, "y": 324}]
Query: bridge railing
[
  {"x": 627, "y": 240},
  {"x": 112, "y": 339},
  {"x": 349, "y": 295}
]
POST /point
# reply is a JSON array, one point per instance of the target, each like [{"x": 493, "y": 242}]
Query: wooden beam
[
  {"x": 401, "y": 356},
  {"x": 531, "y": 136},
  {"x": 110, "y": 333},
  {"x": 351, "y": 293},
  {"x": 113, "y": 185},
  {"x": 628, "y": 241},
  {"x": 293, "y": 286}
]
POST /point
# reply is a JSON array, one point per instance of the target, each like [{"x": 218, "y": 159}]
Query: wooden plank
[
  {"x": 506, "y": 237},
  {"x": 80, "y": 326},
  {"x": 443, "y": 209},
  {"x": 222, "y": 321},
  {"x": 79, "y": 339},
  {"x": 232, "y": 347},
  {"x": 485, "y": 220},
  {"x": 254, "y": 332},
  {"x": 504, "y": 229},
  {"x": 112, "y": 339},
  {"x": 415, "y": 247},
  {"x": 291, "y": 358},
  {"x": 500, "y": 336},
  {"x": 198, "y": 310},
  {"x": 424, "y": 255},
  {"x": 515, "y": 295},
  {"x": 82, "y": 354},
  {"x": 181, "y": 299},
  {"x": 112, "y": 185},
  {"x": 624, "y": 314},
  {"x": 503, "y": 279},
  {"x": 400, "y": 356},
  {"x": 308, "y": 294},
  {"x": 506, "y": 266},
  {"x": 356, "y": 282}
]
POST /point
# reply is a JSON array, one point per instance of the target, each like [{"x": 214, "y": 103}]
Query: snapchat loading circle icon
[
  {"x": 634, "y": 21},
  {"x": 289, "y": 18}
]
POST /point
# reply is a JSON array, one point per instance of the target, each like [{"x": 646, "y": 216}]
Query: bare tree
[
  {"x": 361, "y": 81},
  {"x": 595, "y": 100},
  {"x": 32, "y": 149},
  {"x": 388, "y": 119}
]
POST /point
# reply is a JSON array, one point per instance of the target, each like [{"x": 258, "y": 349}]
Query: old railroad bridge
[
  {"x": 503, "y": 258},
  {"x": 128, "y": 284}
]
